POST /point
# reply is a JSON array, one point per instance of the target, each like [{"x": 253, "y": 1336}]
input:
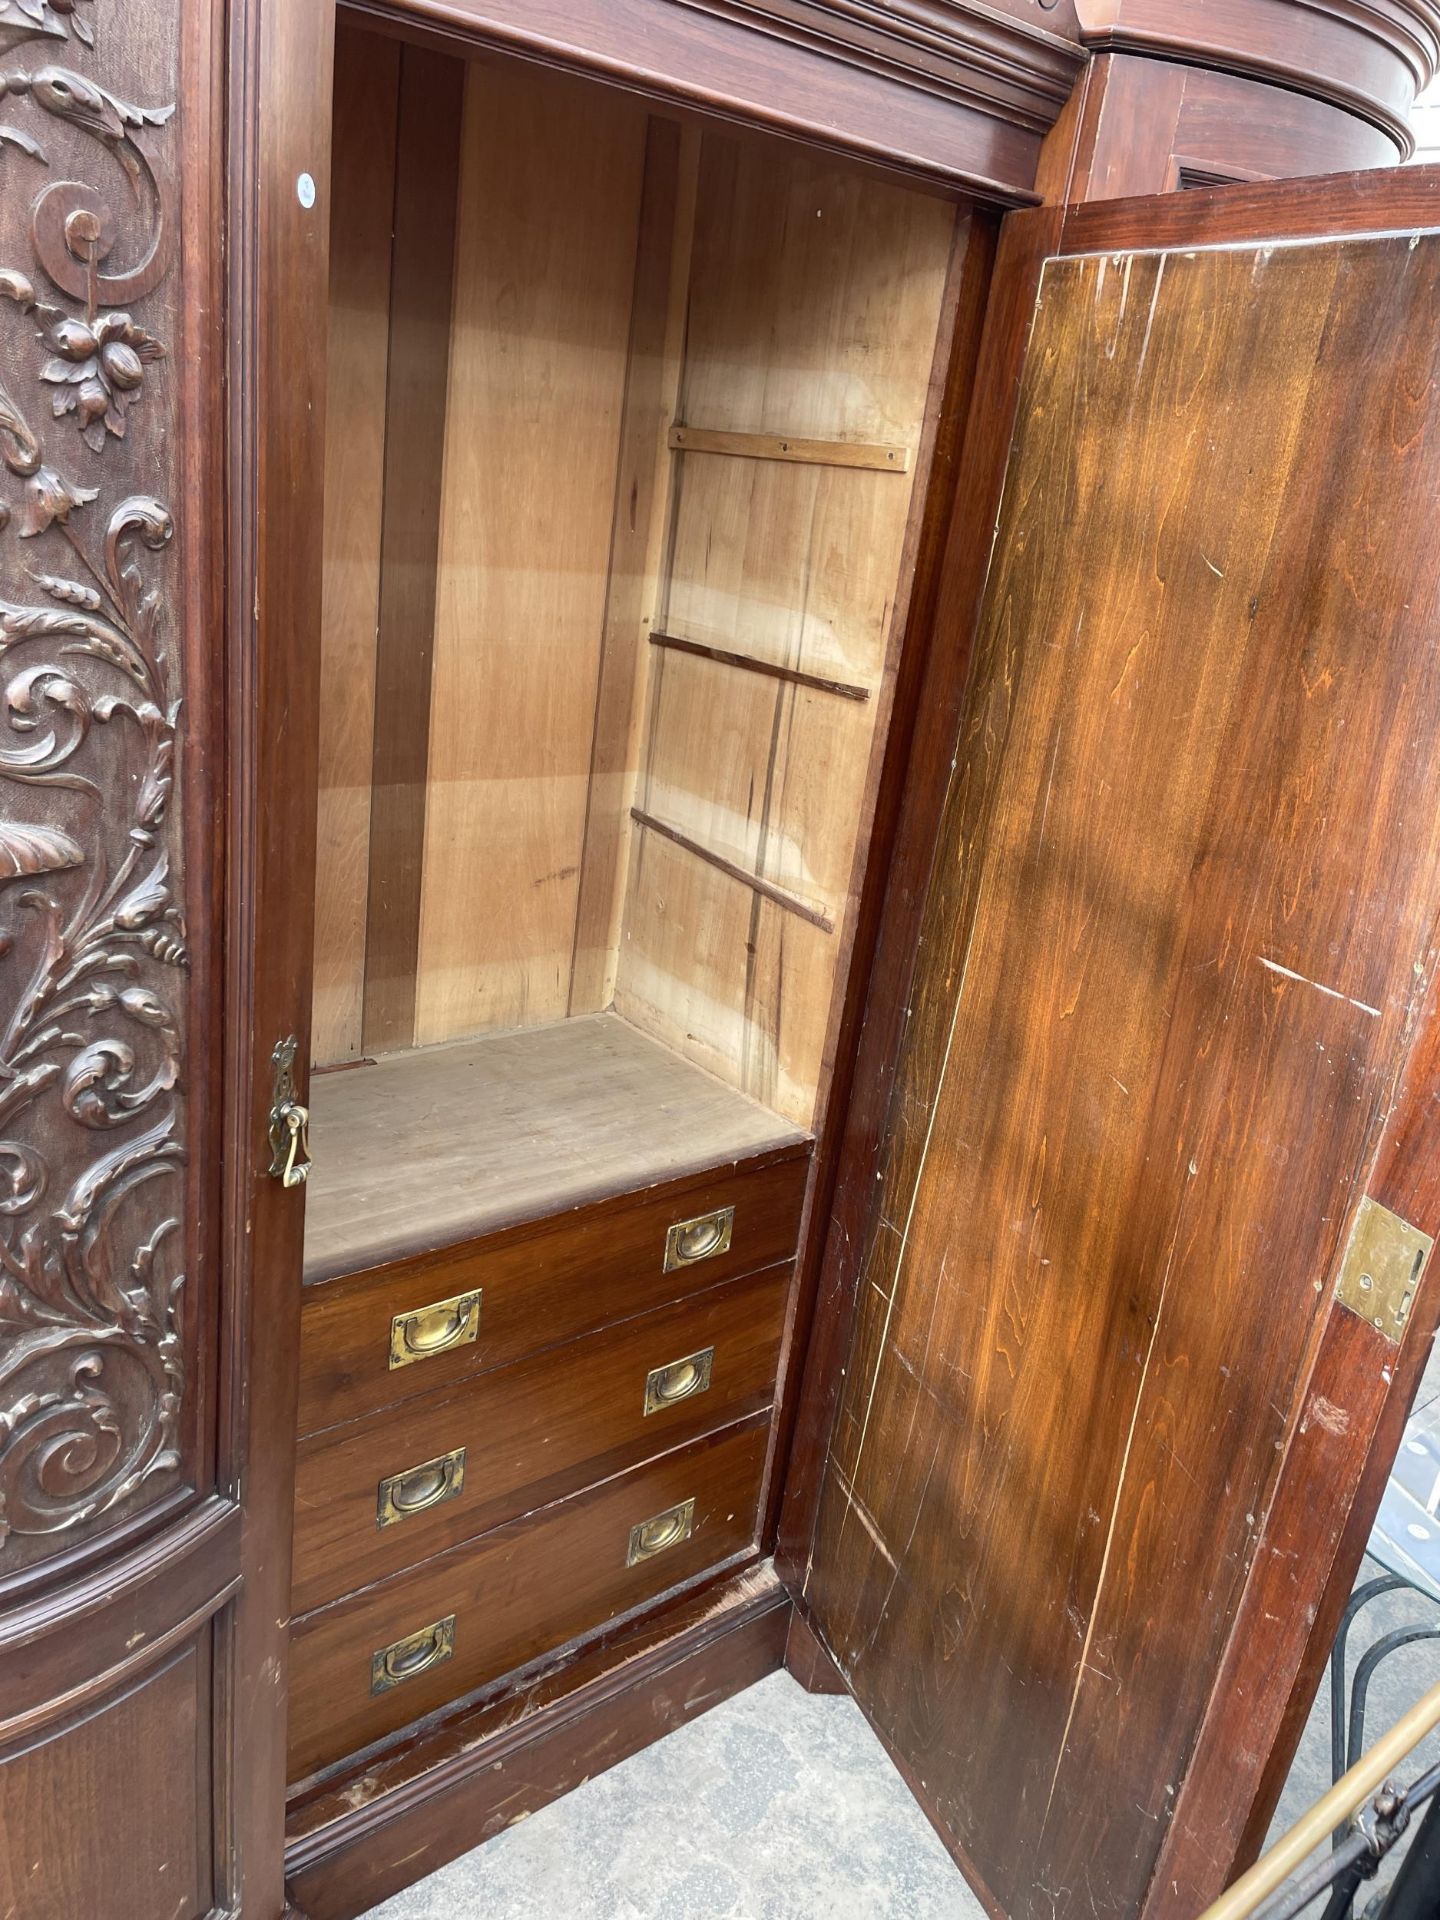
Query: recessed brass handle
[
  {"x": 417, "y": 1653},
  {"x": 421, "y": 1334},
  {"x": 680, "y": 1380},
  {"x": 420, "y": 1488},
  {"x": 698, "y": 1239},
  {"x": 662, "y": 1530}
]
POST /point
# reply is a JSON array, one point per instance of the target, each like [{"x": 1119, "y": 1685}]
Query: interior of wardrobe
[
  {"x": 627, "y": 415},
  {"x": 630, "y": 420}
]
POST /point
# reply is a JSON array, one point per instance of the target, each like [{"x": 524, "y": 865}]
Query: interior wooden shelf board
[{"x": 513, "y": 1126}]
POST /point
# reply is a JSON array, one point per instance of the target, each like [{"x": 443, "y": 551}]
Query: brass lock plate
[
  {"x": 418, "y": 1489},
  {"x": 699, "y": 1239},
  {"x": 678, "y": 1380},
  {"x": 660, "y": 1531},
  {"x": 425, "y": 1332},
  {"x": 417, "y": 1653},
  {"x": 1380, "y": 1274}
]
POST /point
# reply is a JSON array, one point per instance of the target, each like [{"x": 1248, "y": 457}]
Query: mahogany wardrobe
[{"x": 719, "y": 871}]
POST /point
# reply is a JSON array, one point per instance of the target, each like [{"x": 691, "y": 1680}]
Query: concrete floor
[
  {"x": 776, "y": 1805},
  {"x": 779, "y": 1805}
]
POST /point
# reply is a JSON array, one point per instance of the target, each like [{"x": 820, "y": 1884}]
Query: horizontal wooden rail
[
  {"x": 767, "y": 888},
  {"x": 845, "y": 688},
  {"x": 784, "y": 446}
]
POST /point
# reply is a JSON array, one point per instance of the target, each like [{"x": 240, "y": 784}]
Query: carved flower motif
[
  {"x": 50, "y": 497},
  {"x": 99, "y": 367}
]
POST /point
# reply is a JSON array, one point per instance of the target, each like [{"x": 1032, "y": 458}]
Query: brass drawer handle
[
  {"x": 420, "y": 1488},
  {"x": 662, "y": 1530},
  {"x": 417, "y": 1653},
  {"x": 434, "y": 1329},
  {"x": 698, "y": 1239},
  {"x": 680, "y": 1380}
]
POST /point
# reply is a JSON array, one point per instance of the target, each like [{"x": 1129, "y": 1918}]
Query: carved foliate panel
[{"x": 95, "y": 981}]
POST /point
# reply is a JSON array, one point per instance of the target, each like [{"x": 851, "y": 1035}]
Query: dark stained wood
[
  {"x": 987, "y": 368},
  {"x": 1389, "y": 201},
  {"x": 518, "y": 1592},
  {"x": 276, "y": 306},
  {"x": 1368, "y": 65},
  {"x": 809, "y": 1660},
  {"x": 411, "y": 1811},
  {"x": 427, "y": 176},
  {"x": 145, "y": 1750},
  {"x": 1141, "y": 125},
  {"x": 971, "y": 112},
  {"x": 109, "y": 542},
  {"x": 532, "y": 1433},
  {"x": 543, "y": 1282},
  {"x": 1159, "y": 926}
]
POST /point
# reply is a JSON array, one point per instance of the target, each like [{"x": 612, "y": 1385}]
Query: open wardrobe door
[{"x": 1140, "y": 1177}]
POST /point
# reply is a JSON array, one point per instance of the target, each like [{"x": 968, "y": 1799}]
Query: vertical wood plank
[
  {"x": 367, "y": 79},
  {"x": 642, "y": 502},
  {"x": 815, "y": 303},
  {"x": 549, "y": 221},
  {"x": 422, "y": 280}
]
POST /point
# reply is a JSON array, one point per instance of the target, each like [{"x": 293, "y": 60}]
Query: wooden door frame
[
  {"x": 1279, "y": 1641},
  {"x": 279, "y": 76}
]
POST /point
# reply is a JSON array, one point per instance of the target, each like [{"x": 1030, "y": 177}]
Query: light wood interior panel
[
  {"x": 549, "y": 215},
  {"x": 685, "y": 390},
  {"x": 816, "y": 298},
  {"x": 367, "y": 74}
]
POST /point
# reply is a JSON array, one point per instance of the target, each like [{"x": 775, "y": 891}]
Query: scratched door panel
[{"x": 1178, "y": 936}]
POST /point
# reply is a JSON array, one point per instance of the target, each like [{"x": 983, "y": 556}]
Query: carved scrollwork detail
[
  {"x": 93, "y": 947},
  {"x": 56, "y": 19}
]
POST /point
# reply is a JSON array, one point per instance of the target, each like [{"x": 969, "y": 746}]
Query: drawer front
[
  {"x": 376, "y": 1496},
  {"x": 373, "y": 1664},
  {"x": 374, "y": 1339}
]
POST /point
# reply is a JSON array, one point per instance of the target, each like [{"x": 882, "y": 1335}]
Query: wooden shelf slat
[
  {"x": 781, "y": 446},
  {"x": 791, "y": 902},
  {"x": 845, "y": 688}
]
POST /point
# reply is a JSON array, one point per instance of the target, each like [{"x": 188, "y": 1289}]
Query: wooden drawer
[
  {"x": 529, "y": 1434},
  {"x": 539, "y": 1284},
  {"x": 491, "y": 1605}
]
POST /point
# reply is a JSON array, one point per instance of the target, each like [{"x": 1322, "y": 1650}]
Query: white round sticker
[{"x": 305, "y": 190}]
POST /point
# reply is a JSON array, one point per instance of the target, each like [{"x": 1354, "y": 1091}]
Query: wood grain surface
[
  {"x": 367, "y": 80},
  {"x": 510, "y": 1127},
  {"x": 518, "y": 1592},
  {"x": 532, "y": 1433},
  {"x": 1176, "y": 940}
]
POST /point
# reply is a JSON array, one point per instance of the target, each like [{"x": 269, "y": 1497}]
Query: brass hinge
[{"x": 1380, "y": 1274}]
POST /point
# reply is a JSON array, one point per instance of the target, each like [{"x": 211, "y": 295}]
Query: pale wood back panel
[
  {"x": 549, "y": 215},
  {"x": 814, "y": 306},
  {"x": 367, "y": 76}
]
